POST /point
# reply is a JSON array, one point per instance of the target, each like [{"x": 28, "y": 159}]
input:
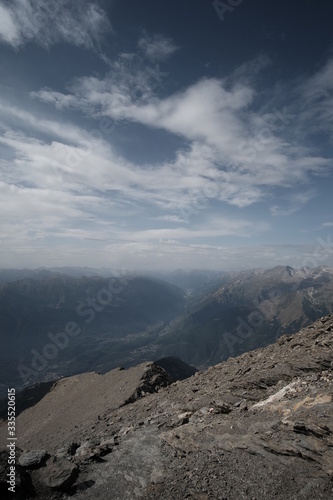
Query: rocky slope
[{"x": 259, "y": 426}]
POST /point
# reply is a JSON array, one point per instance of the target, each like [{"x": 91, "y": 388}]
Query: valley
[{"x": 55, "y": 325}]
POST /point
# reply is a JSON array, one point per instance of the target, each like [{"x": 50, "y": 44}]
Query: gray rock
[
  {"x": 32, "y": 458},
  {"x": 89, "y": 450},
  {"x": 220, "y": 407},
  {"x": 59, "y": 474},
  {"x": 106, "y": 446}
]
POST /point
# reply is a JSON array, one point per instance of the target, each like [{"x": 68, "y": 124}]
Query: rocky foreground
[{"x": 259, "y": 426}]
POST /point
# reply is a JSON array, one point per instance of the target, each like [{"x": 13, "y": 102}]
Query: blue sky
[{"x": 159, "y": 135}]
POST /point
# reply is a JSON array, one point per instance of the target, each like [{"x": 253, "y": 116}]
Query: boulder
[
  {"x": 32, "y": 459},
  {"x": 58, "y": 474}
]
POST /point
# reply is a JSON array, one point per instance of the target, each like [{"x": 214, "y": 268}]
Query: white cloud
[
  {"x": 69, "y": 186},
  {"x": 248, "y": 71},
  {"x": 71, "y": 167},
  {"x": 59, "y": 100},
  {"x": 294, "y": 204},
  {"x": 157, "y": 47},
  {"x": 247, "y": 152},
  {"x": 213, "y": 228},
  {"x": 316, "y": 92},
  {"x": 9, "y": 30},
  {"x": 47, "y": 23},
  {"x": 320, "y": 84},
  {"x": 57, "y": 190},
  {"x": 325, "y": 225},
  {"x": 39, "y": 124}
]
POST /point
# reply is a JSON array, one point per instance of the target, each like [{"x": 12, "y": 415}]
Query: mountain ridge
[{"x": 248, "y": 310}]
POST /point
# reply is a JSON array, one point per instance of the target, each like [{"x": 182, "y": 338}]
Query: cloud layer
[
  {"x": 47, "y": 23},
  {"x": 233, "y": 149},
  {"x": 69, "y": 192}
]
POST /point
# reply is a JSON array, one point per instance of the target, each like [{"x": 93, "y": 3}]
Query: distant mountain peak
[{"x": 290, "y": 270}]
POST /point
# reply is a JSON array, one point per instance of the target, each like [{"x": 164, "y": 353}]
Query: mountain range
[
  {"x": 247, "y": 310},
  {"x": 55, "y": 325}
]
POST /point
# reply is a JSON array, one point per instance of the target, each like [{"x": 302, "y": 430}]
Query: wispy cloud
[
  {"x": 316, "y": 114},
  {"x": 9, "y": 30},
  {"x": 319, "y": 85},
  {"x": 226, "y": 133},
  {"x": 156, "y": 47},
  {"x": 47, "y": 23},
  {"x": 296, "y": 202},
  {"x": 325, "y": 225},
  {"x": 63, "y": 189}
]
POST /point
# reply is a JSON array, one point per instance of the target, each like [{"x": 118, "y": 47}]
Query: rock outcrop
[{"x": 259, "y": 426}]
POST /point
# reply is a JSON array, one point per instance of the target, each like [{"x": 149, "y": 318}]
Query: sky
[{"x": 158, "y": 135}]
